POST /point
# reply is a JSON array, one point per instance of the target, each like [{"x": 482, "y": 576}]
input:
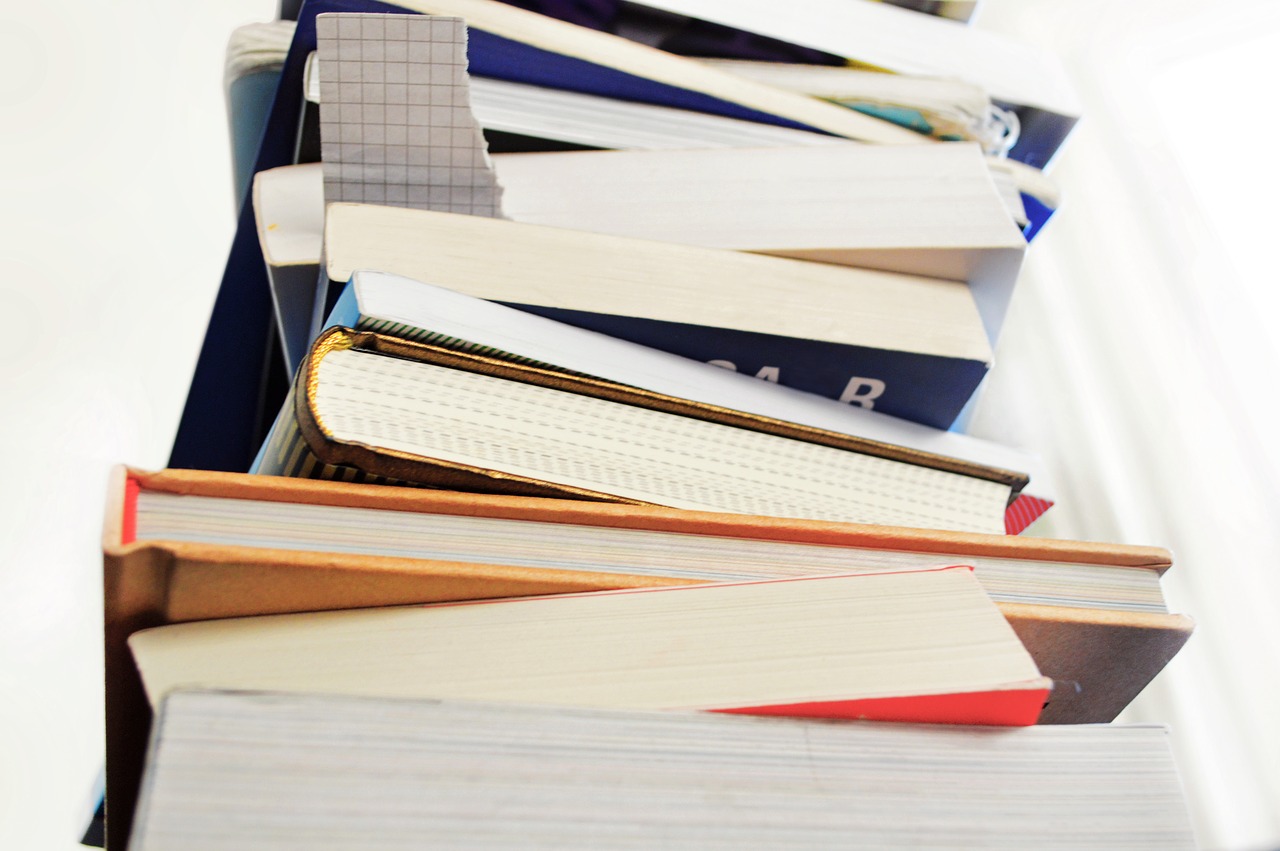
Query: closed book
[
  {"x": 186, "y": 545},
  {"x": 928, "y": 210},
  {"x": 377, "y": 408},
  {"x": 238, "y": 380},
  {"x": 905, "y": 345},
  {"x": 403, "y": 307},
  {"x": 1016, "y": 76},
  {"x": 915, "y": 645},
  {"x": 934, "y": 211},
  {"x": 274, "y": 771}
]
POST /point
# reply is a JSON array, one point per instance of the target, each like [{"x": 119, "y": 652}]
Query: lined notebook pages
[{"x": 632, "y": 452}]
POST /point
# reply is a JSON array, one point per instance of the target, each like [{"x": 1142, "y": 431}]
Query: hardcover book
[
  {"x": 402, "y": 307},
  {"x": 386, "y": 409},
  {"x": 186, "y": 545},
  {"x": 240, "y": 377},
  {"x": 492, "y": 775},
  {"x": 916, "y": 645},
  {"x": 904, "y": 345},
  {"x": 1028, "y": 81}
]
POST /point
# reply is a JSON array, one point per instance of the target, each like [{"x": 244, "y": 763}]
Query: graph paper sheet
[{"x": 396, "y": 126}]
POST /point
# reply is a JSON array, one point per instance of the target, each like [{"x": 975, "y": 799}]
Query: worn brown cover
[
  {"x": 406, "y": 467},
  {"x": 1098, "y": 659}
]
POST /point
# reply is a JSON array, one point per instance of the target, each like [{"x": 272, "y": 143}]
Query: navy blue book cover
[{"x": 927, "y": 389}]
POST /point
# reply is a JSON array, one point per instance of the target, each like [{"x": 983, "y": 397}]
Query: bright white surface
[
  {"x": 116, "y": 222},
  {"x": 1140, "y": 357}
]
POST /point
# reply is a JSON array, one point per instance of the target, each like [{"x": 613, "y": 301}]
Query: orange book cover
[{"x": 1099, "y": 658}]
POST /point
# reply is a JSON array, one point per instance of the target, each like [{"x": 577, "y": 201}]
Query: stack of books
[{"x": 572, "y": 459}]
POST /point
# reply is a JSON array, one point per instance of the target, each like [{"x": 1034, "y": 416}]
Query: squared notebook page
[
  {"x": 629, "y": 451},
  {"x": 396, "y": 126}
]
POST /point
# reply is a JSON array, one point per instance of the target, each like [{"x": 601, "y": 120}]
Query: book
[
  {"x": 196, "y": 545},
  {"x": 402, "y": 307},
  {"x": 370, "y": 407},
  {"x": 240, "y": 378},
  {"x": 932, "y": 212},
  {"x": 255, "y": 57},
  {"x": 522, "y": 118},
  {"x": 904, "y": 345},
  {"x": 938, "y": 105},
  {"x": 924, "y": 210},
  {"x": 189, "y": 545},
  {"x": 593, "y": 121},
  {"x": 1029, "y": 82},
  {"x": 923, "y": 645},
  {"x": 511, "y": 43},
  {"x": 944, "y": 107},
  {"x": 275, "y": 771},
  {"x": 288, "y": 208}
]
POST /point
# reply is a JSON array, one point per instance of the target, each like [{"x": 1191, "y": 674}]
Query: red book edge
[
  {"x": 1023, "y": 512},
  {"x": 129, "y": 518},
  {"x": 998, "y": 708}
]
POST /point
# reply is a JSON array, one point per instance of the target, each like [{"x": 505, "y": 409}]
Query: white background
[{"x": 117, "y": 208}]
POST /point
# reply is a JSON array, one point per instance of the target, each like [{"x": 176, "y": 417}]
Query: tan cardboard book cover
[
  {"x": 1099, "y": 658},
  {"x": 372, "y": 408}
]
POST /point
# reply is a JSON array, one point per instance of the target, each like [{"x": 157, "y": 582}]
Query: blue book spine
[
  {"x": 1041, "y": 134},
  {"x": 928, "y": 389},
  {"x": 1038, "y": 215}
]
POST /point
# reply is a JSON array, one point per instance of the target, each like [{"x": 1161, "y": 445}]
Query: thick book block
[
  {"x": 386, "y": 409},
  {"x": 929, "y": 210},
  {"x": 1016, "y": 76},
  {"x": 917, "y": 645},
  {"x": 185, "y": 545},
  {"x": 403, "y": 307},
  {"x": 275, "y": 771},
  {"x": 904, "y": 345}
]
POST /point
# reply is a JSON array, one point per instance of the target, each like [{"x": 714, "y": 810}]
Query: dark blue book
[{"x": 902, "y": 345}]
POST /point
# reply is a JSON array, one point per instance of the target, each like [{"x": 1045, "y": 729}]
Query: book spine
[{"x": 928, "y": 389}]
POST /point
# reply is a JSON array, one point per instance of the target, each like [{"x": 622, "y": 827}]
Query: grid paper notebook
[{"x": 396, "y": 126}]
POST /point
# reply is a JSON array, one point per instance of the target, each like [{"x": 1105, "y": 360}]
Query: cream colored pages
[
  {"x": 601, "y": 122},
  {"x": 634, "y": 452},
  {"x": 556, "y": 267},
  {"x": 711, "y": 646},
  {"x": 274, "y": 772},
  {"x": 899, "y": 40},
  {"x": 780, "y": 200},
  {"x": 303, "y": 527}
]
